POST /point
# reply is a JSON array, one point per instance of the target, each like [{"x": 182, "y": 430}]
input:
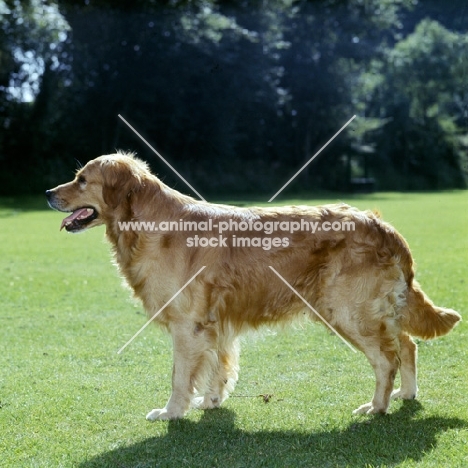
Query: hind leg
[
  {"x": 385, "y": 368},
  {"x": 224, "y": 377},
  {"x": 408, "y": 354},
  {"x": 382, "y": 350}
]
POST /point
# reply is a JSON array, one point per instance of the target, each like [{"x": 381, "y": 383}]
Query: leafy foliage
[{"x": 420, "y": 90}]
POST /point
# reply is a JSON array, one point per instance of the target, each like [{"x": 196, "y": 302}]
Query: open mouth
[{"x": 79, "y": 219}]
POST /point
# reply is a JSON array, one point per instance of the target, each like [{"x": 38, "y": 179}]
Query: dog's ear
[{"x": 119, "y": 181}]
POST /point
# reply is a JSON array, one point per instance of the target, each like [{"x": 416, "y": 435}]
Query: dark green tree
[
  {"x": 418, "y": 105},
  {"x": 237, "y": 95},
  {"x": 31, "y": 38}
]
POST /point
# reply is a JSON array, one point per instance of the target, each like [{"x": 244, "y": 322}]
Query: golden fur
[{"x": 361, "y": 282}]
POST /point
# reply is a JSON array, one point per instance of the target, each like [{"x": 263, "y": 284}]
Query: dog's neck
[{"x": 127, "y": 227}]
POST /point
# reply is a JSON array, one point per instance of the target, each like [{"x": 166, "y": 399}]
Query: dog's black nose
[{"x": 48, "y": 193}]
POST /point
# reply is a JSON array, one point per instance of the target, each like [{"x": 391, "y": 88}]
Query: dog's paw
[
  {"x": 206, "y": 402},
  {"x": 197, "y": 402},
  {"x": 162, "y": 415},
  {"x": 404, "y": 394},
  {"x": 369, "y": 408}
]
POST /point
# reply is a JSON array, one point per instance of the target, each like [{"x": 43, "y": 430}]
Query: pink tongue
[{"x": 81, "y": 213}]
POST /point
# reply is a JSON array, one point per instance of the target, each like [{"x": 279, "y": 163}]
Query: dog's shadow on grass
[{"x": 215, "y": 441}]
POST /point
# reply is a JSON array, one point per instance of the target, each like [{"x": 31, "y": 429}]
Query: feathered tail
[{"x": 423, "y": 318}]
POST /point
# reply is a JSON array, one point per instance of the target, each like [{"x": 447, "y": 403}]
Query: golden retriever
[{"x": 360, "y": 280}]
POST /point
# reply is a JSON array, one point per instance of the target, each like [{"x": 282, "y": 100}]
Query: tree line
[{"x": 237, "y": 95}]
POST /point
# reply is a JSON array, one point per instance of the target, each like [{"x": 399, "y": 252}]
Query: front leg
[
  {"x": 225, "y": 374},
  {"x": 193, "y": 361},
  {"x": 181, "y": 395}
]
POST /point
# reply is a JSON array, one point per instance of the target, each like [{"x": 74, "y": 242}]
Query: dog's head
[{"x": 101, "y": 191}]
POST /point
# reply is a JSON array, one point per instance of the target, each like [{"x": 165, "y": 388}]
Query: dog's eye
[{"x": 81, "y": 180}]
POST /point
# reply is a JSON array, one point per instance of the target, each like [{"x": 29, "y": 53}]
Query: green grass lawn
[{"x": 67, "y": 399}]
